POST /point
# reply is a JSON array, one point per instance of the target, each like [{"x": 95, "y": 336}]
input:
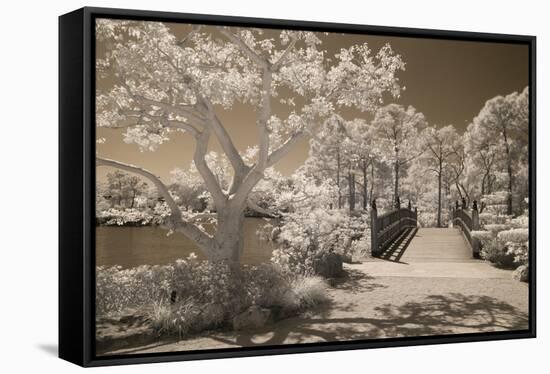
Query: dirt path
[{"x": 423, "y": 294}]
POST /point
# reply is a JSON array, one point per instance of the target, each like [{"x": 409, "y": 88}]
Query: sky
[{"x": 449, "y": 81}]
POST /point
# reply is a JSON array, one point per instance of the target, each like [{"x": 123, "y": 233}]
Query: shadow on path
[
  {"x": 434, "y": 315},
  {"x": 355, "y": 281}
]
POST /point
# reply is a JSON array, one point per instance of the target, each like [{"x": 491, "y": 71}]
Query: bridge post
[
  {"x": 416, "y": 215},
  {"x": 476, "y": 244},
  {"x": 475, "y": 216},
  {"x": 374, "y": 228}
]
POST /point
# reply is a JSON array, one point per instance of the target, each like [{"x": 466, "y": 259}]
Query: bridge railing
[
  {"x": 467, "y": 222},
  {"x": 385, "y": 228}
]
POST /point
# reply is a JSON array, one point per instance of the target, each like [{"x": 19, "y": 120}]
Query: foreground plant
[{"x": 190, "y": 296}]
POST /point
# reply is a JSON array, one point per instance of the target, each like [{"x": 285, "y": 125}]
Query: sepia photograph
[{"x": 271, "y": 187}]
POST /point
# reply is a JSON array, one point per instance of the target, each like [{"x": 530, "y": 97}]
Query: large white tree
[
  {"x": 505, "y": 123},
  {"x": 166, "y": 85}
]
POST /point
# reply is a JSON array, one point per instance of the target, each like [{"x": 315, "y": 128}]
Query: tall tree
[
  {"x": 397, "y": 130},
  {"x": 166, "y": 85},
  {"x": 504, "y": 118},
  {"x": 327, "y": 154},
  {"x": 440, "y": 144}
]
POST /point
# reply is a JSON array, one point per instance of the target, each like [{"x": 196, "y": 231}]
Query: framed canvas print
[{"x": 235, "y": 186}]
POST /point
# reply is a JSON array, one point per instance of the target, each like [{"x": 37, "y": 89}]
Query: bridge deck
[{"x": 438, "y": 245}]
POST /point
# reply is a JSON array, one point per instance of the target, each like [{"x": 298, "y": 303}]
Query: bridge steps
[{"x": 438, "y": 245}]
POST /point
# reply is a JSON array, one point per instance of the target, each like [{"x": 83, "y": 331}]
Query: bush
[
  {"x": 118, "y": 289},
  {"x": 493, "y": 251},
  {"x": 185, "y": 317},
  {"x": 310, "y": 292},
  {"x": 305, "y": 235},
  {"x": 119, "y": 216},
  {"x": 517, "y": 243},
  {"x": 484, "y": 237},
  {"x": 268, "y": 286},
  {"x": 521, "y": 273},
  {"x": 189, "y": 295}
]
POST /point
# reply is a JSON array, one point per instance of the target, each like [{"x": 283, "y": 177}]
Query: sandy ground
[{"x": 419, "y": 295}]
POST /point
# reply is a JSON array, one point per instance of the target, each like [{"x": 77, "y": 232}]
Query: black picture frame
[{"x": 77, "y": 184}]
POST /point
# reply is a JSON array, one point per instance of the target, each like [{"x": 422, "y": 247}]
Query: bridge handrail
[
  {"x": 468, "y": 222},
  {"x": 388, "y": 226}
]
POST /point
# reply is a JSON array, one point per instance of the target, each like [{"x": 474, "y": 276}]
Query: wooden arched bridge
[{"x": 395, "y": 236}]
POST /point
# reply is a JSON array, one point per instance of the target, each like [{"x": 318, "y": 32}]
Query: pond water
[{"x": 149, "y": 245}]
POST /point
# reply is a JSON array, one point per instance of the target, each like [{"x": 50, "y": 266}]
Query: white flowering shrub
[
  {"x": 496, "y": 228},
  {"x": 133, "y": 216},
  {"x": 488, "y": 218},
  {"x": 520, "y": 221},
  {"x": 483, "y": 236},
  {"x": 307, "y": 234},
  {"x": 516, "y": 242},
  {"x": 504, "y": 244}
]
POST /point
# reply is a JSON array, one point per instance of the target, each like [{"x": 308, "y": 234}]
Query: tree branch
[
  {"x": 204, "y": 170},
  {"x": 239, "y": 167},
  {"x": 281, "y": 59},
  {"x": 168, "y": 123},
  {"x": 252, "y": 205},
  {"x": 278, "y": 154},
  {"x": 175, "y": 109},
  {"x": 255, "y": 57},
  {"x": 263, "y": 118},
  {"x": 203, "y": 240}
]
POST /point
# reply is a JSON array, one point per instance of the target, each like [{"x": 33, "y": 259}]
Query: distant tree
[
  {"x": 327, "y": 153},
  {"x": 122, "y": 188},
  {"x": 397, "y": 130},
  {"x": 440, "y": 147}
]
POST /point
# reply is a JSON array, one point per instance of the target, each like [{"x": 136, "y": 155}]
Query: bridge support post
[
  {"x": 476, "y": 244},
  {"x": 374, "y": 229}
]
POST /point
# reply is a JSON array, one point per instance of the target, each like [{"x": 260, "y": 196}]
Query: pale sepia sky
[{"x": 449, "y": 81}]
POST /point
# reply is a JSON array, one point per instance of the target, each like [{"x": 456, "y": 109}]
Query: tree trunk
[
  {"x": 396, "y": 186},
  {"x": 459, "y": 190},
  {"x": 365, "y": 190},
  {"x": 338, "y": 165},
  {"x": 351, "y": 181},
  {"x": 509, "y": 169},
  {"x": 133, "y": 199},
  {"x": 439, "y": 193},
  {"x": 510, "y": 186},
  {"x": 371, "y": 194},
  {"x": 229, "y": 237}
]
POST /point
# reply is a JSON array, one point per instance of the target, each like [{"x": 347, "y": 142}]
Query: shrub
[
  {"x": 118, "y": 289},
  {"x": 517, "y": 244},
  {"x": 496, "y": 228},
  {"x": 185, "y": 316},
  {"x": 306, "y": 234},
  {"x": 311, "y": 292},
  {"x": 189, "y": 295},
  {"x": 483, "y": 236},
  {"x": 521, "y": 273},
  {"x": 268, "y": 286},
  {"x": 496, "y": 253}
]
